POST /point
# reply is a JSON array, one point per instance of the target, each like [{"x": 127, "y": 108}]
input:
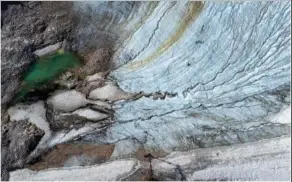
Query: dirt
[
  {"x": 97, "y": 61},
  {"x": 63, "y": 154},
  {"x": 89, "y": 154}
]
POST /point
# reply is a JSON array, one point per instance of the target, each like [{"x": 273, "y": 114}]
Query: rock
[
  {"x": 76, "y": 119},
  {"x": 44, "y": 24},
  {"x": 67, "y": 81},
  {"x": 83, "y": 39},
  {"x": 4, "y": 5},
  {"x": 88, "y": 87},
  {"x": 24, "y": 29},
  {"x": 67, "y": 122},
  {"x": 16, "y": 56},
  {"x": 74, "y": 134},
  {"x": 97, "y": 61},
  {"x": 92, "y": 82},
  {"x": 19, "y": 138},
  {"x": 37, "y": 114},
  {"x": 4, "y": 174}
]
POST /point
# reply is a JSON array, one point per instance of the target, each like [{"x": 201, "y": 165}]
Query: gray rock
[
  {"x": 43, "y": 23},
  {"x": 98, "y": 26},
  {"x": 16, "y": 57},
  {"x": 18, "y": 140},
  {"x": 97, "y": 61},
  {"x": 25, "y": 29},
  {"x": 67, "y": 121}
]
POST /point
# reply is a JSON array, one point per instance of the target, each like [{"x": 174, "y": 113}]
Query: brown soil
[
  {"x": 97, "y": 61},
  {"x": 58, "y": 156}
]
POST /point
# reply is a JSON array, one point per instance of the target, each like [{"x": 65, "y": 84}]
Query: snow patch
[{"x": 90, "y": 114}]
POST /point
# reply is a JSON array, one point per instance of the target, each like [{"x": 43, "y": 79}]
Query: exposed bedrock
[
  {"x": 25, "y": 29},
  {"x": 163, "y": 77}
]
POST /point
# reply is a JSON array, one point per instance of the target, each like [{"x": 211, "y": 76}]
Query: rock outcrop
[{"x": 24, "y": 30}]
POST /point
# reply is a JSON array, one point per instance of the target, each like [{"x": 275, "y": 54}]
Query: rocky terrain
[{"x": 167, "y": 91}]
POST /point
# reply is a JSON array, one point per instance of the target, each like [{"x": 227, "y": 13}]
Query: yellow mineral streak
[{"x": 194, "y": 10}]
